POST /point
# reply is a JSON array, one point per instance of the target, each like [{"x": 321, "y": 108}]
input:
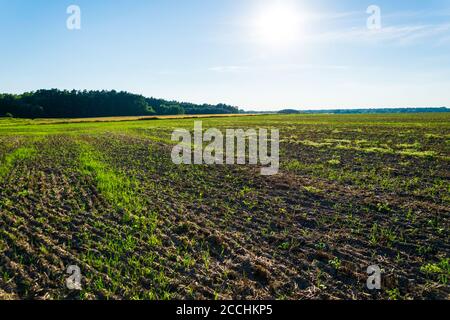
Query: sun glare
[{"x": 277, "y": 24}]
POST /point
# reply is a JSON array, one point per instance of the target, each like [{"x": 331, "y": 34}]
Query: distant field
[
  {"x": 353, "y": 191},
  {"x": 114, "y": 119}
]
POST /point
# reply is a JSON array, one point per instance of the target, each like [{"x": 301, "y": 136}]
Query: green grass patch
[
  {"x": 11, "y": 159},
  {"x": 123, "y": 193},
  {"x": 310, "y": 143},
  {"x": 120, "y": 190},
  {"x": 420, "y": 154},
  {"x": 440, "y": 270}
]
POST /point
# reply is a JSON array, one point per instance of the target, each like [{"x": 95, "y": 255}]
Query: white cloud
[
  {"x": 228, "y": 69},
  {"x": 276, "y": 67},
  {"x": 327, "y": 16},
  {"x": 402, "y": 35}
]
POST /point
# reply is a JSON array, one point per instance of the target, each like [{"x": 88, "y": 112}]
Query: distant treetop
[{"x": 366, "y": 111}]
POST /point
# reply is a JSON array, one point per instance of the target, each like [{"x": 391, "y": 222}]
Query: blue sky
[{"x": 233, "y": 51}]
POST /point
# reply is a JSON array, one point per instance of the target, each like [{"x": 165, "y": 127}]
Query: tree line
[
  {"x": 368, "y": 111},
  {"x": 56, "y": 103}
]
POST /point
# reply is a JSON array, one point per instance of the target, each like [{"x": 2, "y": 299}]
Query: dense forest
[{"x": 80, "y": 104}]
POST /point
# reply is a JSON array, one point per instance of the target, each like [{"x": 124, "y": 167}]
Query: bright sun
[{"x": 277, "y": 24}]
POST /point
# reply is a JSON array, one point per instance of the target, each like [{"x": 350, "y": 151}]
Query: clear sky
[{"x": 256, "y": 54}]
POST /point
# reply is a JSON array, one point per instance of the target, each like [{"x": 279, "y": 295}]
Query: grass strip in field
[
  {"x": 123, "y": 257},
  {"x": 120, "y": 190},
  {"x": 15, "y": 156},
  {"x": 406, "y": 150}
]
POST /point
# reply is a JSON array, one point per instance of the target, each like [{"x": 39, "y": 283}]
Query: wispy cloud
[
  {"x": 417, "y": 14},
  {"x": 327, "y": 16},
  {"x": 401, "y": 35},
  {"x": 391, "y": 16},
  {"x": 276, "y": 67},
  {"x": 316, "y": 67},
  {"x": 399, "y": 27},
  {"x": 229, "y": 69}
]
